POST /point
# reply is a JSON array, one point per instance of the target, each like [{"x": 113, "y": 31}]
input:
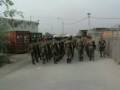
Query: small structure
[
  {"x": 18, "y": 41},
  {"x": 35, "y": 37},
  {"x": 83, "y": 33}
]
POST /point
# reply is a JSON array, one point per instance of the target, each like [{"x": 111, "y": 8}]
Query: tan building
[{"x": 104, "y": 32}]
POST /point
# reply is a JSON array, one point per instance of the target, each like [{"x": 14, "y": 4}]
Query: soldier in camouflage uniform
[
  {"x": 72, "y": 45},
  {"x": 80, "y": 46},
  {"x": 90, "y": 45},
  {"x": 49, "y": 51},
  {"x": 34, "y": 54},
  {"x": 55, "y": 52},
  {"x": 69, "y": 48},
  {"x": 43, "y": 56},
  {"x": 102, "y": 47},
  {"x": 40, "y": 49},
  {"x": 62, "y": 49}
]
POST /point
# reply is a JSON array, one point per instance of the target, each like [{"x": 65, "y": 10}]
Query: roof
[
  {"x": 83, "y": 30},
  {"x": 18, "y": 20},
  {"x": 105, "y": 29}
]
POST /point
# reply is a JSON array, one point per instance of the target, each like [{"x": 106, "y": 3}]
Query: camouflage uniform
[
  {"x": 43, "y": 52},
  {"x": 91, "y": 48},
  {"x": 80, "y": 47},
  {"x": 34, "y": 54},
  {"x": 55, "y": 52},
  {"x": 69, "y": 49},
  {"x": 102, "y": 46}
]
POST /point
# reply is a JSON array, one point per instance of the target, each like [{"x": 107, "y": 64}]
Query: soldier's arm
[{"x": 77, "y": 45}]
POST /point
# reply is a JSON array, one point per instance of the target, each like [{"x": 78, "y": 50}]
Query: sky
[{"x": 53, "y": 13}]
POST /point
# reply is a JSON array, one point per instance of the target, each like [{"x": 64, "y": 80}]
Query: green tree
[{"x": 6, "y": 10}]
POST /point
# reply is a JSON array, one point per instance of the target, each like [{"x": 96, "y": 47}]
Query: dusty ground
[{"x": 103, "y": 74}]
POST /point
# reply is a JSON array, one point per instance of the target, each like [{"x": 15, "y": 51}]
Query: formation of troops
[{"x": 58, "y": 48}]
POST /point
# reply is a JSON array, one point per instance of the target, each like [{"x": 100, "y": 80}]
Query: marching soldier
[
  {"x": 55, "y": 52},
  {"x": 62, "y": 49},
  {"x": 34, "y": 54},
  {"x": 43, "y": 52},
  {"x": 90, "y": 48},
  {"x": 94, "y": 48},
  {"x": 80, "y": 46},
  {"x": 49, "y": 51},
  {"x": 102, "y": 46},
  {"x": 73, "y": 47},
  {"x": 40, "y": 49},
  {"x": 69, "y": 49}
]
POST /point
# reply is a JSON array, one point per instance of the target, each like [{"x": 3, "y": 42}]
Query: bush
[{"x": 4, "y": 60}]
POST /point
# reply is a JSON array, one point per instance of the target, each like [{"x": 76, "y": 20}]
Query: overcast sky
[{"x": 69, "y": 11}]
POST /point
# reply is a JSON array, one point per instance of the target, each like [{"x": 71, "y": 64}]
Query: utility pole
[
  {"x": 89, "y": 22},
  {"x": 51, "y": 27},
  {"x": 63, "y": 28},
  {"x": 62, "y": 23},
  {"x": 30, "y": 18}
]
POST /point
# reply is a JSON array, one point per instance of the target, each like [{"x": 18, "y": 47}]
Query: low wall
[{"x": 115, "y": 46}]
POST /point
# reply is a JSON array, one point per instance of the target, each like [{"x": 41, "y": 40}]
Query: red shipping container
[{"x": 18, "y": 41}]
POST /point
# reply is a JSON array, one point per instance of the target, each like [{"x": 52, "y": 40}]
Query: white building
[{"x": 20, "y": 25}]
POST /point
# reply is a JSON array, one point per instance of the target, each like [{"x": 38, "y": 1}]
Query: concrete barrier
[
  {"x": 4, "y": 59},
  {"x": 115, "y": 49}
]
